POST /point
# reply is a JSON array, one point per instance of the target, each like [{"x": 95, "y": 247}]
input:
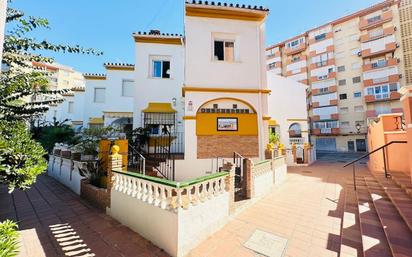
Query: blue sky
[{"x": 107, "y": 25}]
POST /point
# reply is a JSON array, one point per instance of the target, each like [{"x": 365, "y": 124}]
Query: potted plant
[{"x": 94, "y": 173}]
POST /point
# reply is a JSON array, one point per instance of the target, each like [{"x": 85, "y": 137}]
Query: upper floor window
[
  {"x": 224, "y": 50},
  {"x": 379, "y": 63},
  {"x": 295, "y": 43},
  {"x": 356, "y": 80},
  {"x": 357, "y": 94},
  {"x": 320, "y": 37},
  {"x": 161, "y": 69},
  {"x": 99, "y": 95},
  {"x": 272, "y": 65},
  {"x": 127, "y": 88},
  {"x": 374, "y": 19}
]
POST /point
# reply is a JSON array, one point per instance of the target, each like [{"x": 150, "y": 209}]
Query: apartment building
[
  {"x": 61, "y": 76},
  {"x": 353, "y": 68}
]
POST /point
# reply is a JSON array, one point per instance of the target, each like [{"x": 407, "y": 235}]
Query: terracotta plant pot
[{"x": 76, "y": 156}]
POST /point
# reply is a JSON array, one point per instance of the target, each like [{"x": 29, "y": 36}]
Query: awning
[
  {"x": 94, "y": 121},
  {"x": 159, "y": 108},
  {"x": 77, "y": 122},
  {"x": 273, "y": 123},
  {"x": 118, "y": 114}
]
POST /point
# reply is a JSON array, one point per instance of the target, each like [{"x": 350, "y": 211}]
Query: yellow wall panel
[{"x": 206, "y": 124}]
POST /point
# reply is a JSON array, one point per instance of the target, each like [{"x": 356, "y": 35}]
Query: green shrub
[
  {"x": 21, "y": 158},
  {"x": 8, "y": 239}
]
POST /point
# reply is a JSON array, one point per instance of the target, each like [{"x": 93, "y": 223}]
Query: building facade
[{"x": 353, "y": 67}]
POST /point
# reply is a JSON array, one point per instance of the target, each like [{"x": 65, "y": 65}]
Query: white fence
[
  {"x": 66, "y": 171},
  {"x": 174, "y": 216}
]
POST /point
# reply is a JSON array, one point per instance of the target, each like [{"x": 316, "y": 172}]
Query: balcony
[
  {"x": 377, "y": 35},
  {"x": 294, "y": 50},
  {"x": 325, "y": 131},
  {"x": 318, "y": 91},
  {"x": 382, "y": 97},
  {"x": 389, "y": 79},
  {"x": 270, "y": 56},
  {"x": 374, "y": 113},
  {"x": 320, "y": 38},
  {"x": 332, "y": 102},
  {"x": 386, "y": 47},
  {"x": 296, "y": 59},
  {"x": 328, "y": 49},
  {"x": 375, "y": 21},
  {"x": 314, "y": 66},
  {"x": 379, "y": 65},
  {"x": 334, "y": 116},
  {"x": 302, "y": 70},
  {"x": 331, "y": 75}
]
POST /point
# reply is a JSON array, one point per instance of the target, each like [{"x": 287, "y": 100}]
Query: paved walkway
[
  {"x": 306, "y": 210},
  {"x": 55, "y": 222}
]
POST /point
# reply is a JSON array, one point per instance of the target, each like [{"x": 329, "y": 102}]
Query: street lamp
[{"x": 358, "y": 127}]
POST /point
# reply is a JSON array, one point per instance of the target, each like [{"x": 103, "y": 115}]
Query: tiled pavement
[
  {"x": 55, "y": 222},
  {"x": 306, "y": 210}
]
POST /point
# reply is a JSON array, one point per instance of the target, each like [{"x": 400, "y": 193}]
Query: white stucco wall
[
  {"x": 158, "y": 90},
  {"x": 175, "y": 232},
  {"x": 285, "y": 92},
  {"x": 66, "y": 172}
]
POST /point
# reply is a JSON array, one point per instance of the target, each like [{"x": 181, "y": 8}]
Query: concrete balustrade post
[
  {"x": 248, "y": 178},
  {"x": 294, "y": 153}
]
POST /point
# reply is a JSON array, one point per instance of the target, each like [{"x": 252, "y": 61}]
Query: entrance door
[
  {"x": 360, "y": 145},
  {"x": 351, "y": 146}
]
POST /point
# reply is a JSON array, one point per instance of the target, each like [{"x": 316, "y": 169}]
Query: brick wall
[
  {"x": 224, "y": 146},
  {"x": 99, "y": 197}
]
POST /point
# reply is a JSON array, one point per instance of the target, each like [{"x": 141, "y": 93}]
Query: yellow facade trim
[
  {"x": 225, "y": 90},
  {"x": 297, "y": 119},
  {"x": 273, "y": 123},
  {"x": 304, "y": 131},
  {"x": 206, "y": 124},
  {"x": 267, "y": 118},
  {"x": 159, "y": 108},
  {"x": 189, "y": 117},
  {"x": 158, "y": 40},
  {"x": 228, "y": 98},
  {"x": 94, "y": 77},
  {"x": 96, "y": 121},
  {"x": 226, "y": 13}
]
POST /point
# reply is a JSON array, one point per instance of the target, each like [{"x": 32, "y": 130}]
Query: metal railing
[
  {"x": 136, "y": 161},
  {"x": 162, "y": 154},
  {"x": 384, "y": 152}
]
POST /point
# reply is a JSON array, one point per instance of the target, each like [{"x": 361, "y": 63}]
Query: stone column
[
  {"x": 294, "y": 153},
  {"x": 407, "y": 110},
  {"x": 230, "y": 184},
  {"x": 114, "y": 163},
  {"x": 306, "y": 153}
]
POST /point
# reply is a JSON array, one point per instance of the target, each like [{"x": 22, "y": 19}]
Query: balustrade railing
[{"x": 169, "y": 195}]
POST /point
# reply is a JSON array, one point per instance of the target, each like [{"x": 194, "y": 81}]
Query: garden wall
[{"x": 66, "y": 171}]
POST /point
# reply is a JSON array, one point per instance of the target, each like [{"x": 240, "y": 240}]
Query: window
[
  {"x": 161, "y": 69},
  {"x": 320, "y": 37},
  {"x": 344, "y": 109},
  {"x": 71, "y": 107},
  {"x": 358, "y": 108},
  {"x": 271, "y": 52},
  {"x": 357, "y": 94},
  {"x": 224, "y": 50},
  {"x": 295, "y": 58},
  {"x": 393, "y": 87},
  {"x": 99, "y": 95},
  {"x": 330, "y": 70},
  {"x": 343, "y": 96},
  {"x": 341, "y": 68},
  {"x": 323, "y": 90},
  {"x": 322, "y": 60},
  {"x": 325, "y": 124},
  {"x": 295, "y": 43},
  {"x": 376, "y": 33},
  {"x": 356, "y": 80},
  {"x": 127, "y": 88},
  {"x": 374, "y": 19},
  {"x": 379, "y": 63},
  {"x": 342, "y": 82},
  {"x": 380, "y": 92}
]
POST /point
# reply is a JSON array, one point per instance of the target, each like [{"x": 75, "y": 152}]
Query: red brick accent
[
  {"x": 395, "y": 96},
  {"x": 397, "y": 110},
  {"x": 386, "y": 32},
  {"x": 390, "y": 47},
  {"x": 99, "y": 197},
  {"x": 313, "y": 41},
  {"x": 371, "y": 113},
  {"x": 248, "y": 178},
  {"x": 289, "y": 51},
  {"x": 333, "y": 102},
  {"x": 335, "y": 116},
  {"x": 391, "y": 79},
  {"x": 315, "y": 104},
  {"x": 224, "y": 145}
]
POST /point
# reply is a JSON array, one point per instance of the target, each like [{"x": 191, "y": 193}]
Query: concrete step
[
  {"x": 351, "y": 238},
  {"x": 399, "y": 198},
  {"x": 397, "y": 232},
  {"x": 403, "y": 180},
  {"x": 374, "y": 240}
]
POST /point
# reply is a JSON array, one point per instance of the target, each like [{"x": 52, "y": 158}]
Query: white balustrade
[{"x": 168, "y": 197}]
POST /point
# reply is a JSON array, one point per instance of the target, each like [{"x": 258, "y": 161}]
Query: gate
[{"x": 240, "y": 192}]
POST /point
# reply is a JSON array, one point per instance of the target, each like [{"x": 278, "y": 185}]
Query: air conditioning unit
[
  {"x": 397, "y": 45},
  {"x": 398, "y": 60},
  {"x": 359, "y": 54}
]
